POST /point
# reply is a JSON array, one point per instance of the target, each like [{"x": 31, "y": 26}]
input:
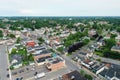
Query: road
[
  {"x": 3, "y": 63},
  {"x": 108, "y": 60}
]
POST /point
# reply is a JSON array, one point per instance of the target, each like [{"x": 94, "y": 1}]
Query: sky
[{"x": 59, "y": 7}]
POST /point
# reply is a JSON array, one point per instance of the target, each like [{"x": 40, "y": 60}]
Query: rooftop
[
  {"x": 113, "y": 70},
  {"x": 54, "y": 60},
  {"x": 42, "y": 52},
  {"x": 42, "y": 59},
  {"x": 74, "y": 75}
]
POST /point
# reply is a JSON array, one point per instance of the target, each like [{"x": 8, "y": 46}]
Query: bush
[
  {"x": 11, "y": 68},
  {"x": 89, "y": 77}
]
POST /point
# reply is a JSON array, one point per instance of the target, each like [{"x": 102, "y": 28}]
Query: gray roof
[
  {"x": 17, "y": 57},
  {"x": 116, "y": 47},
  {"x": 114, "y": 70},
  {"x": 43, "y": 52}
]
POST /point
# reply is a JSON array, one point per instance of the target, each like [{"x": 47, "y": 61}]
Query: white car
[{"x": 40, "y": 75}]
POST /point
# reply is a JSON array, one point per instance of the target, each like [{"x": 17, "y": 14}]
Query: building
[
  {"x": 55, "y": 63},
  {"x": 87, "y": 63},
  {"x": 16, "y": 60},
  {"x": 111, "y": 72},
  {"x": 41, "y": 56},
  {"x": 74, "y": 75},
  {"x": 30, "y": 44},
  {"x": 98, "y": 67},
  {"x": 117, "y": 38},
  {"x": 92, "y": 32},
  {"x": 116, "y": 48}
]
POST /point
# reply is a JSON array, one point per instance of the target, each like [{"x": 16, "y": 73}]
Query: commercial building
[
  {"x": 41, "y": 56},
  {"x": 74, "y": 75},
  {"x": 55, "y": 63}
]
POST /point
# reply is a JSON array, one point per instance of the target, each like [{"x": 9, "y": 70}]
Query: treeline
[{"x": 28, "y": 22}]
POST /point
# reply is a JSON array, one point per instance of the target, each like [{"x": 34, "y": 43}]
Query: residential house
[
  {"x": 92, "y": 32},
  {"x": 16, "y": 60},
  {"x": 116, "y": 48},
  {"x": 97, "y": 67},
  {"x": 107, "y": 36},
  {"x": 111, "y": 72},
  {"x": 117, "y": 38}
]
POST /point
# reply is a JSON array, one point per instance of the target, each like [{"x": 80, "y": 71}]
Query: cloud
[
  {"x": 60, "y": 7},
  {"x": 27, "y": 11}
]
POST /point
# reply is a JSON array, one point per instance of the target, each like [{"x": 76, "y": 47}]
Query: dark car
[
  {"x": 8, "y": 75},
  {"x": 14, "y": 73},
  {"x": 19, "y": 78},
  {"x": 7, "y": 69},
  {"x": 27, "y": 68},
  {"x": 22, "y": 70}
]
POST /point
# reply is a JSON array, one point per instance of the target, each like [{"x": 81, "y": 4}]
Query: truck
[{"x": 40, "y": 75}]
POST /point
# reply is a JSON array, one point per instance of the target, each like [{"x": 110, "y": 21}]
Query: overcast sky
[{"x": 59, "y": 7}]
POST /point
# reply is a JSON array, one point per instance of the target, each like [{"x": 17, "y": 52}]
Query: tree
[
  {"x": 118, "y": 29},
  {"x": 1, "y": 33},
  {"x": 41, "y": 40},
  {"x": 89, "y": 77},
  {"x": 109, "y": 43},
  {"x": 30, "y": 57},
  {"x": 86, "y": 41},
  {"x": 60, "y": 49},
  {"x": 11, "y": 35},
  {"x": 11, "y": 68},
  {"x": 18, "y": 40},
  {"x": 82, "y": 72},
  {"x": 13, "y": 51}
]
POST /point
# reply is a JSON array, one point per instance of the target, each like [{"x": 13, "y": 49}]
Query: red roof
[{"x": 31, "y": 44}]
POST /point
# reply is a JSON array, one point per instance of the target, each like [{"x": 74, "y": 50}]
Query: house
[
  {"x": 92, "y": 32},
  {"x": 25, "y": 32},
  {"x": 16, "y": 60},
  {"x": 101, "y": 42},
  {"x": 74, "y": 75},
  {"x": 116, "y": 48},
  {"x": 107, "y": 36},
  {"x": 111, "y": 72},
  {"x": 55, "y": 63},
  {"x": 117, "y": 38},
  {"x": 87, "y": 63},
  {"x": 98, "y": 67}
]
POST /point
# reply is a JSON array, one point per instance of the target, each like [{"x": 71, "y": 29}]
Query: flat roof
[
  {"x": 42, "y": 52},
  {"x": 74, "y": 75},
  {"x": 54, "y": 60},
  {"x": 42, "y": 59}
]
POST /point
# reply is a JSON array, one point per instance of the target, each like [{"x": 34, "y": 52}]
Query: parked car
[
  {"x": 8, "y": 75},
  {"x": 22, "y": 70},
  {"x": 14, "y": 73}
]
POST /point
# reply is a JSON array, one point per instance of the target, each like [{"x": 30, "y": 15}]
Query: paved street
[
  {"x": 107, "y": 59},
  {"x": 3, "y": 63}
]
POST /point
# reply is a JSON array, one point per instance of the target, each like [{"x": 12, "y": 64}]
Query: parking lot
[{"x": 28, "y": 71}]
